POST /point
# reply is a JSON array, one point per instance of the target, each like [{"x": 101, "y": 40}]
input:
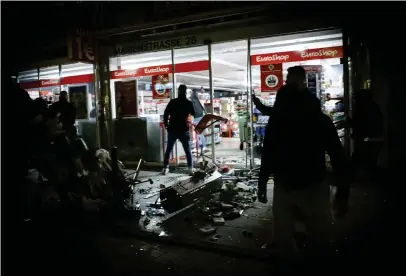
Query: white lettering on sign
[
  {"x": 319, "y": 53},
  {"x": 125, "y": 73},
  {"x": 274, "y": 57},
  {"x": 156, "y": 70},
  {"x": 164, "y": 44},
  {"x": 50, "y": 82}
]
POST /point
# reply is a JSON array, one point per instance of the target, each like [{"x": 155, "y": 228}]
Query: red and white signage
[
  {"x": 194, "y": 66},
  {"x": 271, "y": 78},
  {"x": 48, "y": 83},
  {"x": 294, "y": 56},
  {"x": 141, "y": 72},
  {"x": 56, "y": 82},
  {"x": 161, "y": 86}
]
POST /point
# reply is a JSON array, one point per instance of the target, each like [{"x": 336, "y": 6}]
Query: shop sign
[
  {"x": 81, "y": 46},
  {"x": 194, "y": 66},
  {"x": 141, "y": 72},
  {"x": 271, "y": 78},
  {"x": 161, "y": 86},
  {"x": 47, "y": 83},
  {"x": 294, "y": 56},
  {"x": 159, "y": 45}
]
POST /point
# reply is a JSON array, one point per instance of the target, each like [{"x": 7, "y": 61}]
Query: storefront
[
  {"x": 77, "y": 79},
  {"x": 221, "y": 76}
]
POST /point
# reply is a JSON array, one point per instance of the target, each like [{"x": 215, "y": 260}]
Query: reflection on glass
[{"x": 229, "y": 67}]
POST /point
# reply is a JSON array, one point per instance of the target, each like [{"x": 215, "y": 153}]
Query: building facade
[{"x": 223, "y": 59}]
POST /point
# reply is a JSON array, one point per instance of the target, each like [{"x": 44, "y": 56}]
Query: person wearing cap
[{"x": 176, "y": 122}]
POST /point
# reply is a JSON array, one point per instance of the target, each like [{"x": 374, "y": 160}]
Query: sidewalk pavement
[{"x": 130, "y": 256}]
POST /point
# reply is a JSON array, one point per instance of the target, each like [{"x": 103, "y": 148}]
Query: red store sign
[
  {"x": 56, "y": 82},
  {"x": 48, "y": 83},
  {"x": 294, "y": 56},
  {"x": 271, "y": 78},
  {"x": 195, "y": 66}
]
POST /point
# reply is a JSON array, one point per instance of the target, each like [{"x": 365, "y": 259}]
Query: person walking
[{"x": 299, "y": 135}]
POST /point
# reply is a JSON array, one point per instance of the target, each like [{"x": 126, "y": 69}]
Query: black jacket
[
  {"x": 297, "y": 138},
  {"x": 67, "y": 110},
  {"x": 176, "y": 114}
]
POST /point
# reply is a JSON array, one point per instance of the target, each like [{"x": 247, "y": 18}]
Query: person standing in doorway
[{"x": 176, "y": 122}]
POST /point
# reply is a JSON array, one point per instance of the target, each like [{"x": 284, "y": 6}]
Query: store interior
[{"x": 230, "y": 75}]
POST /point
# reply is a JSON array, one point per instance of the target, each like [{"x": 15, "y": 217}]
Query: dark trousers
[
  {"x": 264, "y": 173},
  {"x": 184, "y": 138}
]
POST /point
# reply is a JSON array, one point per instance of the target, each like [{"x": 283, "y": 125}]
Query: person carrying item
[
  {"x": 176, "y": 122},
  {"x": 299, "y": 135}
]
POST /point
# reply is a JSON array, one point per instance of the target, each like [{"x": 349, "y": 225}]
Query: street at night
[{"x": 241, "y": 138}]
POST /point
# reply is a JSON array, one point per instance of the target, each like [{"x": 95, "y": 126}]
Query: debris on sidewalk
[
  {"x": 216, "y": 237},
  {"x": 218, "y": 221},
  {"x": 207, "y": 230},
  {"x": 144, "y": 191}
]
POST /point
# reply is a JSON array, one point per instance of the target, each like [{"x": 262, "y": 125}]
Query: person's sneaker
[
  {"x": 165, "y": 171},
  {"x": 190, "y": 171}
]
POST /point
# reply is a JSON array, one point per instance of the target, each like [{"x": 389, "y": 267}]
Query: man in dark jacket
[
  {"x": 66, "y": 109},
  {"x": 176, "y": 122},
  {"x": 297, "y": 138}
]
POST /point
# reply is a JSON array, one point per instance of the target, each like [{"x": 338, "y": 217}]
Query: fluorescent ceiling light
[
  {"x": 78, "y": 68},
  {"x": 202, "y": 77},
  {"x": 291, "y": 41},
  {"x": 49, "y": 76},
  {"x": 231, "y": 64},
  {"x": 218, "y": 87},
  {"x": 189, "y": 52}
]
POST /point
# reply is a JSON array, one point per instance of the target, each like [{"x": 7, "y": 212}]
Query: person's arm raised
[{"x": 265, "y": 110}]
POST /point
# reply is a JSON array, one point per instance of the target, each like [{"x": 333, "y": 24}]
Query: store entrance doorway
[{"x": 192, "y": 70}]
